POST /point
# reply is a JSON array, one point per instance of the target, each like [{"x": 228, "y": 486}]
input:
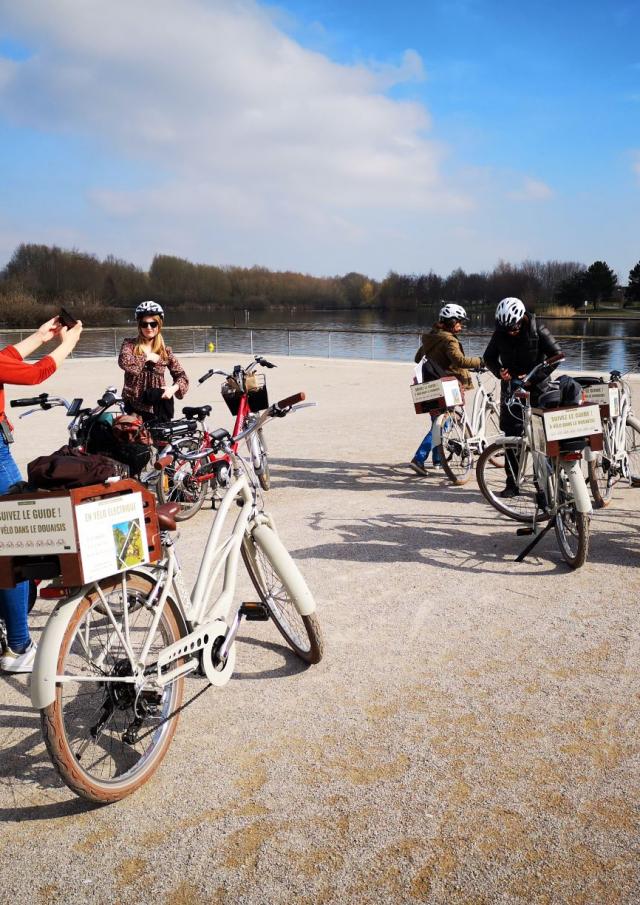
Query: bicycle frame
[
  {"x": 205, "y": 622},
  {"x": 482, "y": 402}
]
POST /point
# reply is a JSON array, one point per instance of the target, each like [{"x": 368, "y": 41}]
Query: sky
[{"x": 323, "y": 136}]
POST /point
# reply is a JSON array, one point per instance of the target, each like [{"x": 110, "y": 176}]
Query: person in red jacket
[{"x": 19, "y": 655}]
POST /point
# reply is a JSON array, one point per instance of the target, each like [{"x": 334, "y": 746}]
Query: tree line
[{"x": 42, "y": 274}]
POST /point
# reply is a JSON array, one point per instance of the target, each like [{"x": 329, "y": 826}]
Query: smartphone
[{"x": 66, "y": 319}]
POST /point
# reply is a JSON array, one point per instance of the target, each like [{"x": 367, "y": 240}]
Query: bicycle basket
[{"x": 231, "y": 395}]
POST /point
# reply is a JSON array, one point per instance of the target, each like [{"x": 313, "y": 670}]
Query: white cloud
[
  {"x": 531, "y": 190},
  {"x": 225, "y": 103}
]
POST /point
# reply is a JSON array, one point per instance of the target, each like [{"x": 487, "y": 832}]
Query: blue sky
[{"x": 323, "y": 136}]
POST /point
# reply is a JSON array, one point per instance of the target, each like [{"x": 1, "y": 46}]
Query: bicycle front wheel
[
  {"x": 571, "y": 526},
  {"x": 508, "y": 462},
  {"x": 284, "y": 591},
  {"x": 106, "y": 737},
  {"x": 178, "y": 482},
  {"x": 455, "y": 452},
  {"x": 632, "y": 446}
]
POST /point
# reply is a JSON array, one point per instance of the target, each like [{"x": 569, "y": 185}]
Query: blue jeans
[
  {"x": 424, "y": 449},
  {"x": 14, "y": 602}
]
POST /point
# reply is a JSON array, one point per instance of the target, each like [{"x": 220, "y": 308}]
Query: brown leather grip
[
  {"x": 291, "y": 400},
  {"x": 162, "y": 462}
]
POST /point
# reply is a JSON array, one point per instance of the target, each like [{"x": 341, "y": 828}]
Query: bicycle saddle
[
  {"x": 167, "y": 516},
  {"x": 200, "y": 412}
]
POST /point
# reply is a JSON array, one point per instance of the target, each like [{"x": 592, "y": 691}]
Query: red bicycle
[{"x": 188, "y": 481}]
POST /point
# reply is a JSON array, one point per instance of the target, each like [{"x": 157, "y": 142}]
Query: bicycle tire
[
  {"x": 263, "y": 472},
  {"x": 632, "y": 446},
  {"x": 493, "y": 432},
  {"x": 454, "y": 451},
  {"x": 80, "y": 751},
  {"x": 281, "y": 586},
  {"x": 602, "y": 480},
  {"x": 571, "y": 527},
  {"x": 183, "y": 489},
  {"x": 492, "y": 478}
]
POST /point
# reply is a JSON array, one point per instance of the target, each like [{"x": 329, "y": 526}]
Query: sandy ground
[{"x": 470, "y": 737}]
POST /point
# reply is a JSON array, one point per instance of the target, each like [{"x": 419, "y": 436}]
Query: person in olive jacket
[
  {"x": 443, "y": 347},
  {"x": 518, "y": 343}
]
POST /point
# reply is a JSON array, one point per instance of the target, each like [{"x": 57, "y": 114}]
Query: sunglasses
[{"x": 153, "y": 324}]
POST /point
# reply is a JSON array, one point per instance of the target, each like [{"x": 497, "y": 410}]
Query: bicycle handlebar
[
  {"x": 258, "y": 360},
  {"x": 32, "y": 400},
  {"x": 290, "y": 400}
]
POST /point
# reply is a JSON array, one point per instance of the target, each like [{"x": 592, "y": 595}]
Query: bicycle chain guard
[{"x": 217, "y": 674}]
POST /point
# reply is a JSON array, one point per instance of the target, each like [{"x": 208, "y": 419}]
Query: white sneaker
[{"x": 12, "y": 662}]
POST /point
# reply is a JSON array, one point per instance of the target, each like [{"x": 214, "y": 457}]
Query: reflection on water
[
  {"x": 589, "y": 345},
  {"x": 598, "y": 345}
]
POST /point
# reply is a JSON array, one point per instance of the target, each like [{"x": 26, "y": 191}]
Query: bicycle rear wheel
[
  {"x": 105, "y": 738},
  {"x": 282, "y": 588},
  {"x": 501, "y": 463},
  {"x": 632, "y": 446},
  {"x": 455, "y": 453},
  {"x": 602, "y": 480},
  {"x": 571, "y": 526},
  {"x": 178, "y": 482}
]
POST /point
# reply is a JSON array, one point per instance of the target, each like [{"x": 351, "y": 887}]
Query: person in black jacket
[{"x": 518, "y": 343}]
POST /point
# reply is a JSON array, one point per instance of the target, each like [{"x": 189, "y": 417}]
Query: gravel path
[{"x": 470, "y": 737}]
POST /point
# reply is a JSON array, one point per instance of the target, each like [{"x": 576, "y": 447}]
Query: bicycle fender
[
  {"x": 45, "y": 667},
  {"x": 291, "y": 577},
  {"x": 436, "y": 432},
  {"x": 578, "y": 486}
]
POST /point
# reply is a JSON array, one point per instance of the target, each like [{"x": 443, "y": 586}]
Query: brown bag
[
  {"x": 68, "y": 468},
  {"x": 131, "y": 429}
]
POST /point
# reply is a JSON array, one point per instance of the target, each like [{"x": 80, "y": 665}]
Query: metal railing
[{"x": 382, "y": 345}]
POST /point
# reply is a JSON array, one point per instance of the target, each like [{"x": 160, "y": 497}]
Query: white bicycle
[
  {"x": 459, "y": 439},
  {"x": 109, "y": 672},
  {"x": 620, "y": 457}
]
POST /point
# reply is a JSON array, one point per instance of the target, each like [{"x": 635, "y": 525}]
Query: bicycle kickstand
[{"x": 536, "y": 540}]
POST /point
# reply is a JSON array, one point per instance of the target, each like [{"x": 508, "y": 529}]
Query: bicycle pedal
[
  {"x": 255, "y": 611},
  {"x": 524, "y": 532}
]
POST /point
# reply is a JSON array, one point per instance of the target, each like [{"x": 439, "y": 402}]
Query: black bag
[
  {"x": 431, "y": 370},
  {"x": 67, "y": 468},
  {"x": 556, "y": 393}
]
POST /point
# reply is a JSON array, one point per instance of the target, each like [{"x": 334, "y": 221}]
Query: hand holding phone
[{"x": 67, "y": 320}]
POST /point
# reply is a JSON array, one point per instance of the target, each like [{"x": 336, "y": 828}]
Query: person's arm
[
  {"x": 68, "y": 337},
  {"x": 181, "y": 381},
  {"x": 14, "y": 370},
  {"x": 42, "y": 335},
  {"x": 457, "y": 358},
  {"x": 548, "y": 345},
  {"x": 492, "y": 357},
  {"x": 130, "y": 362}
]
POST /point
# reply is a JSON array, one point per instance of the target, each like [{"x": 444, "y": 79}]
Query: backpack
[{"x": 67, "y": 468}]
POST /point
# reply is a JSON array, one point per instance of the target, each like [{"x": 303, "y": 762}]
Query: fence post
[
  {"x": 193, "y": 340},
  {"x": 289, "y": 343},
  {"x": 251, "y": 340},
  {"x": 216, "y": 346}
]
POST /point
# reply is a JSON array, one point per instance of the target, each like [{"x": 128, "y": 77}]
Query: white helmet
[
  {"x": 149, "y": 308},
  {"x": 510, "y": 312},
  {"x": 453, "y": 312}
]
